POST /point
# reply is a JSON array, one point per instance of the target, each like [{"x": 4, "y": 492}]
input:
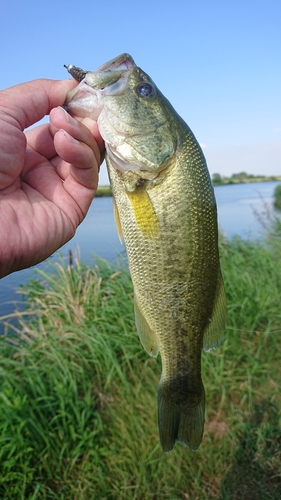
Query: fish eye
[{"x": 145, "y": 90}]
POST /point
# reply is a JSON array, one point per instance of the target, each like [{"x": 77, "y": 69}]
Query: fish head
[{"x": 134, "y": 118}]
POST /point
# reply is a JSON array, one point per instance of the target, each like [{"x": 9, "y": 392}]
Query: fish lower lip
[{"x": 76, "y": 90}]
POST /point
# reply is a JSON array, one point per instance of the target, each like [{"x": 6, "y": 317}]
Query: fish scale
[{"x": 166, "y": 210}]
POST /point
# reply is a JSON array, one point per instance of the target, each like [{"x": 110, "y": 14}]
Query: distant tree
[
  {"x": 216, "y": 179},
  {"x": 239, "y": 176}
]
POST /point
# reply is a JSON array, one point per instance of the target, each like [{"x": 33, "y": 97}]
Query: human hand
[{"x": 48, "y": 175}]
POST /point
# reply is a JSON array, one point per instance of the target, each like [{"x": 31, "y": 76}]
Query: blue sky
[{"x": 217, "y": 61}]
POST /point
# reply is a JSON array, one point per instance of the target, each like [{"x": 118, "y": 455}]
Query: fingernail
[
  {"x": 69, "y": 137},
  {"x": 69, "y": 118}
]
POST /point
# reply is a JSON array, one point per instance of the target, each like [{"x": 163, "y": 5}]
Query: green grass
[
  {"x": 277, "y": 197},
  {"x": 78, "y": 409}
]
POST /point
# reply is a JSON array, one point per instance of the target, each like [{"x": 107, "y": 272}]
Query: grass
[
  {"x": 78, "y": 416},
  {"x": 277, "y": 197}
]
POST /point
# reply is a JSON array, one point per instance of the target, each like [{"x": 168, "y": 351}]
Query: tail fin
[{"x": 180, "y": 414}]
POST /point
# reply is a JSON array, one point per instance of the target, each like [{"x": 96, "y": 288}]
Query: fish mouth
[
  {"x": 109, "y": 79},
  {"x": 122, "y": 62}
]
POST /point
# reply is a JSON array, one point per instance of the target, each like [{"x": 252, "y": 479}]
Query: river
[{"x": 237, "y": 204}]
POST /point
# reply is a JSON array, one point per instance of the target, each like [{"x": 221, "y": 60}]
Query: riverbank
[
  {"x": 216, "y": 181},
  {"x": 78, "y": 405},
  {"x": 242, "y": 178},
  {"x": 238, "y": 206}
]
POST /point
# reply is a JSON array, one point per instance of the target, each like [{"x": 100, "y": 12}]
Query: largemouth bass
[{"x": 166, "y": 210}]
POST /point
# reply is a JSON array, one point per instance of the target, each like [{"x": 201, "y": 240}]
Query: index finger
[{"x": 26, "y": 103}]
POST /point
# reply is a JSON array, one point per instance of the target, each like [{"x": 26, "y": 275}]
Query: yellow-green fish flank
[{"x": 166, "y": 210}]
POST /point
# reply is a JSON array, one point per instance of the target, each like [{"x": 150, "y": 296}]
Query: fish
[{"x": 165, "y": 209}]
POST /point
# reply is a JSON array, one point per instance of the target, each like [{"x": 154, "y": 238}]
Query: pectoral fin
[
  {"x": 146, "y": 335},
  {"x": 117, "y": 220},
  {"x": 144, "y": 212},
  {"x": 214, "y": 332}
]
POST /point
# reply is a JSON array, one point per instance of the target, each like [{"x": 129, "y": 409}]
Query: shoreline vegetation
[
  {"x": 242, "y": 178},
  {"x": 217, "y": 180},
  {"x": 104, "y": 191},
  {"x": 78, "y": 394}
]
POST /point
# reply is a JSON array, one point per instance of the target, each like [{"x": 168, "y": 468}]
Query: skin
[{"x": 48, "y": 175}]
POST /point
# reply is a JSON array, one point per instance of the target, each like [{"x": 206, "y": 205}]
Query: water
[
  {"x": 97, "y": 234},
  {"x": 237, "y": 204}
]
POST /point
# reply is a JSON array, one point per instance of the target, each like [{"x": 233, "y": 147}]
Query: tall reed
[{"x": 78, "y": 416}]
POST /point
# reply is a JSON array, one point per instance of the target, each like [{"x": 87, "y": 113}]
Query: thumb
[{"x": 26, "y": 103}]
